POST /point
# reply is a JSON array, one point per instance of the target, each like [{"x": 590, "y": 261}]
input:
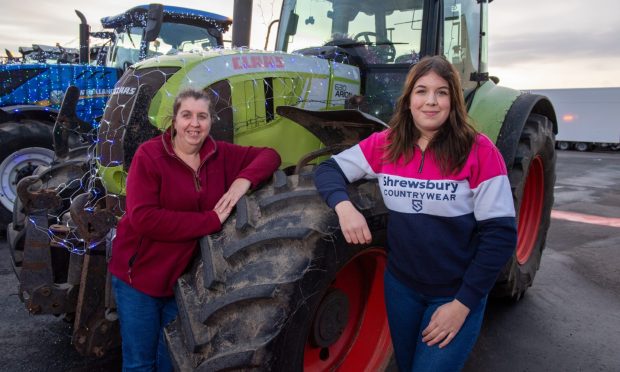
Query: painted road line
[{"x": 585, "y": 218}]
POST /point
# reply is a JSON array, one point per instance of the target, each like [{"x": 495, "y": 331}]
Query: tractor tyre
[
  {"x": 278, "y": 289},
  {"x": 24, "y": 146},
  {"x": 532, "y": 179}
]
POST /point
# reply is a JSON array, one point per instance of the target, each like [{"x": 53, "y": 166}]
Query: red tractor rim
[
  {"x": 365, "y": 343},
  {"x": 530, "y": 211}
]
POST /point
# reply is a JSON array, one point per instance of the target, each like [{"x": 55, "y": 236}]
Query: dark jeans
[
  {"x": 142, "y": 319},
  {"x": 409, "y": 312}
]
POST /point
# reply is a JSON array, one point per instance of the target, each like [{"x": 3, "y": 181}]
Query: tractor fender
[
  {"x": 336, "y": 129},
  {"x": 512, "y": 127},
  {"x": 43, "y": 114},
  {"x": 501, "y": 114},
  {"x": 490, "y": 106}
]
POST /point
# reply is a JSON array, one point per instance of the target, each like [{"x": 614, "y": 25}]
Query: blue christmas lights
[
  {"x": 287, "y": 85},
  {"x": 43, "y": 85}
]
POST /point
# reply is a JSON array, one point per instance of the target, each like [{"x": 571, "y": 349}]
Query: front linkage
[{"x": 60, "y": 258}]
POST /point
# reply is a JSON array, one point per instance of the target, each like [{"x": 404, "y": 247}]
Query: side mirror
[{"x": 153, "y": 22}]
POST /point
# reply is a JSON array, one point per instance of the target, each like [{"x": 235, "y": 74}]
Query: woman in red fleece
[{"x": 181, "y": 186}]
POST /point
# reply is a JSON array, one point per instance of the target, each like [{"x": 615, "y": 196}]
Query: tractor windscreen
[
  {"x": 380, "y": 32},
  {"x": 461, "y": 37},
  {"x": 173, "y": 38},
  {"x": 126, "y": 48}
]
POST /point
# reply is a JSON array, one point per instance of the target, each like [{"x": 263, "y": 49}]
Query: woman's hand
[
  {"x": 353, "y": 224},
  {"x": 227, "y": 202},
  {"x": 445, "y": 323}
]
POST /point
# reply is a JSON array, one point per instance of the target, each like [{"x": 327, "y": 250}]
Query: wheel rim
[
  {"x": 563, "y": 145},
  {"x": 364, "y": 343},
  {"x": 581, "y": 146},
  {"x": 18, "y": 165},
  {"x": 530, "y": 210}
]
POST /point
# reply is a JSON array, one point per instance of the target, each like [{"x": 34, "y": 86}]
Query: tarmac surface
[{"x": 569, "y": 320}]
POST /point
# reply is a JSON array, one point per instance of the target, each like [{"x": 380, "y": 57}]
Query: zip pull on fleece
[
  {"x": 197, "y": 183},
  {"x": 421, "y": 161}
]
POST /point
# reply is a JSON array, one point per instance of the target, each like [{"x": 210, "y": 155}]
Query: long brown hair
[{"x": 453, "y": 141}]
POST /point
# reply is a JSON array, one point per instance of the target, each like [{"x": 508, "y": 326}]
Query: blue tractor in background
[{"x": 32, "y": 90}]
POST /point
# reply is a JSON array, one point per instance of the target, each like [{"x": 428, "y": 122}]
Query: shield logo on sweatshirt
[{"x": 416, "y": 204}]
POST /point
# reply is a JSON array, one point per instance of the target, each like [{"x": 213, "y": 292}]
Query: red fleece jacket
[{"x": 169, "y": 207}]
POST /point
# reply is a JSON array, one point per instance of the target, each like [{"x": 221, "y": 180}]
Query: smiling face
[
  {"x": 429, "y": 103},
  {"x": 192, "y": 123}
]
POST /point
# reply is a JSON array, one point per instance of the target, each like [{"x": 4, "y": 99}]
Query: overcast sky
[{"x": 534, "y": 44}]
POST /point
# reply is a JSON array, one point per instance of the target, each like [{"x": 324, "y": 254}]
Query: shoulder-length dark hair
[{"x": 453, "y": 141}]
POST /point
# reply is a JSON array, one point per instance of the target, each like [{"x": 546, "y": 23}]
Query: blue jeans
[
  {"x": 409, "y": 312},
  {"x": 142, "y": 320}
]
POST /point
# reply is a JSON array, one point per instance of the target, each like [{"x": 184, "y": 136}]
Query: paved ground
[
  {"x": 568, "y": 321},
  {"x": 37, "y": 343}
]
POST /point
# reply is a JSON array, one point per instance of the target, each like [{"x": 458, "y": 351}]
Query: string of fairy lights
[{"x": 105, "y": 150}]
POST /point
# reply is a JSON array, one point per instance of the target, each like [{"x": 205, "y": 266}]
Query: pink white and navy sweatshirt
[{"x": 448, "y": 236}]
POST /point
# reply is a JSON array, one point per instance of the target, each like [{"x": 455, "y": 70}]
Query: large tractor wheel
[
  {"x": 23, "y": 147},
  {"x": 279, "y": 290},
  {"x": 532, "y": 178}
]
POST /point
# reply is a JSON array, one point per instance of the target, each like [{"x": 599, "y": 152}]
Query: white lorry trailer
[{"x": 588, "y": 118}]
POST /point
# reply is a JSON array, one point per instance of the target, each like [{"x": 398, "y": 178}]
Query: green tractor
[{"x": 278, "y": 288}]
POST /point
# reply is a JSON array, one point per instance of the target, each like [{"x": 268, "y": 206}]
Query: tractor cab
[
  {"x": 385, "y": 38},
  {"x": 143, "y": 32}
]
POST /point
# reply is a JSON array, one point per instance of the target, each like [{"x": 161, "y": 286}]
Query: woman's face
[
  {"x": 192, "y": 122},
  {"x": 430, "y": 103}
]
